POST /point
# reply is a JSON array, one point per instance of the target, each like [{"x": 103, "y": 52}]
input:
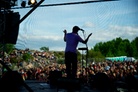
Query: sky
[{"x": 105, "y": 20}]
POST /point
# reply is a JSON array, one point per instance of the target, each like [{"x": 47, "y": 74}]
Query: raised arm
[
  {"x": 65, "y": 32},
  {"x": 86, "y": 40}
]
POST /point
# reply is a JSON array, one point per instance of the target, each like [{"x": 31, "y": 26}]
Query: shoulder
[{"x": 69, "y": 34}]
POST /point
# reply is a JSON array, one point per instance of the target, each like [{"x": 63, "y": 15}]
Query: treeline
[
  {"x": 117, "y": 47},
  {"x": 113, "y": 48}
]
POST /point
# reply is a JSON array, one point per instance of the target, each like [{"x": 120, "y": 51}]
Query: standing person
[{"x": 72, "y": 39}]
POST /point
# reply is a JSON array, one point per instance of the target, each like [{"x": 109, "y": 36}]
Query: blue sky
[{"x": 106, "y": 20}]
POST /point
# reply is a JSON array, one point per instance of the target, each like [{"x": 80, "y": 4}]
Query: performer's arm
[
  {"x": 86, "y": 40},
  {"x": 65, "y": 32}
]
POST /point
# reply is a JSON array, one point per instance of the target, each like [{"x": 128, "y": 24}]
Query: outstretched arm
[
  {"x": 86, "y": 40},
  {"x": 65, "y": 32}
]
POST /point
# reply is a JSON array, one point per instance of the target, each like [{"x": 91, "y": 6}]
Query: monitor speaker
[
  {"x": 9, "y": 27},
  {"x": 53, "y": 77},
  {"x": 11, "y": 81}
]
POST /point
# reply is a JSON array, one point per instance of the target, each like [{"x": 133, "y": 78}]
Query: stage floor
[{"x": 38, "y": 86}]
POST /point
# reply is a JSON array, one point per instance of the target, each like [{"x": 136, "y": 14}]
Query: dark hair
[{"x": 75, "y": 29}]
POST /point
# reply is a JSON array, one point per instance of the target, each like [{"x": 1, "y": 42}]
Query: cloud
[
  {"x": 128, "y": 30},
  {"x": 55, "y": 38},
  {"x": 114, "y": 31},
  {"x": 35, "y": 42},
  {"x": 88, "y": 24}
]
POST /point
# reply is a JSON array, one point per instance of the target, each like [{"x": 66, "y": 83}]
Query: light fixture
[
  {"x": 7, "y": 4},
  {"x": 23, "y": 4},
  {"x": 32, "y": 2}
]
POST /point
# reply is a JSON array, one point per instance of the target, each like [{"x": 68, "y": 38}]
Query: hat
[
  {"x": 76, "y": 28},
  {"x": 107, "y": 68}
]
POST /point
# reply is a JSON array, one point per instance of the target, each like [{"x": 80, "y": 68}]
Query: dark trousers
[{"x": 71, "y": 64}]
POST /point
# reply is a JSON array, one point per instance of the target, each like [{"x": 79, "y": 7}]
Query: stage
[{"x": 38, "y": 86}]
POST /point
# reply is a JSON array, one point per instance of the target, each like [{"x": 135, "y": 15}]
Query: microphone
[{"x": 82, "y": 30}]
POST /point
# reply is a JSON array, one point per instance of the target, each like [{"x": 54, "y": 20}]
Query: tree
[
  {"x": 26, "y": 56},
  {"x": 134, "y": 46},
  {"x": 118, "y": 47},
  {"x": 60, "y": 61},
  {"x": 8, "y": 48},
  {"x": 45, "y": 49},
  {"x": 59, "y": 54}
]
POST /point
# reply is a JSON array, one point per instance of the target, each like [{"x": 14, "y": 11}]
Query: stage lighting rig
[
  {"x": 32, "y": 2},
  {"x": 23, "y": 4},
  {"x": 7, "y": 4}
]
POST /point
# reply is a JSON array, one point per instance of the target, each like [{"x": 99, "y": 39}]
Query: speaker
[
  {"x": 132, "y": 81},
  {"x": 70, "y": 84},
  {"x": 53, "y": 76},
  {"x": 11, "y": 81},
  {"x": 101, "y": 81},
  {"x": 9, "y": 27}
]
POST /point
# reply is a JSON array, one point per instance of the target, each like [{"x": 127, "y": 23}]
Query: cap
[
  {"x": 107, "y": 68},
  {"x": 76, "y": 28}
]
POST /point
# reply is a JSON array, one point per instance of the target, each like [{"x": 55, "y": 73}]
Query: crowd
[{"x": 114, "y": 70}]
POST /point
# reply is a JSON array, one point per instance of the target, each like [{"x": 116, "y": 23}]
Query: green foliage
[
  {"x": 79, "y": 56},
  {"x": 134, "y": 46},
  {"x": 61, "y": 54},
  {"x": 45, "y": 49},
  {"x": 60, "y": 61},
  {"x": 8, "y": 48},
  {"x": 58, "y": 54},
  {"x": 94, "y": 54},
  {"x": 118, "y": 47},
  {"x": 26, "y": 56},
  {"x": 14, "y": 60}
]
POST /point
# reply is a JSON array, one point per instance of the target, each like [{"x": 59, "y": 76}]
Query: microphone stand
[
  {"x": 86, "y": 58},
  {"x": 86, "y": 48}
]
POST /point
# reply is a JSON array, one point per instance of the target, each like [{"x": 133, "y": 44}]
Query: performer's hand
[
  {"x": 65, "y": 31},
  {"x": 90, "y": 34}
]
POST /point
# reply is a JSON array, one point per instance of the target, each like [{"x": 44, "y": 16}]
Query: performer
[{"x": 72, "y": 39}]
